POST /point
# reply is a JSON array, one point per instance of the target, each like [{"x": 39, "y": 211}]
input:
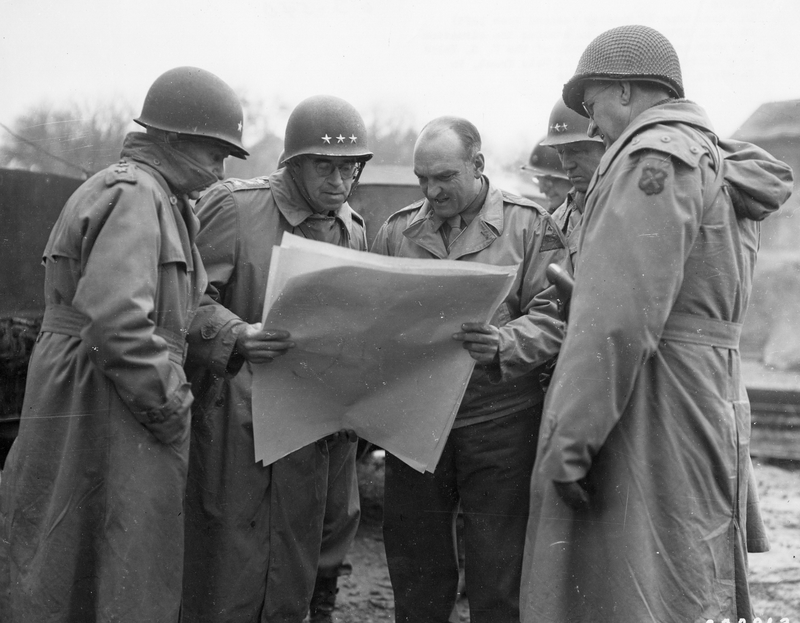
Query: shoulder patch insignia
[
  {"x": 235, "y": 183},
  {"x": 122, "y": 171},
  {"x": 652, "y": 180}
]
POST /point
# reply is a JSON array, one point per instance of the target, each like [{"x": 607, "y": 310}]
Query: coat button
[
  {"x": 694, "y": 149},
  {"x": 665, "y": 139},
  {"x": 156, "y": 162}
]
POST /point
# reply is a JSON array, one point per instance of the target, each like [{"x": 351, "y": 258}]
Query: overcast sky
[{"x": 500, "y": 63}]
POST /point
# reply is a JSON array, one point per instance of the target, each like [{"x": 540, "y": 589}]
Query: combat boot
[{"x": 323, "y": 601}]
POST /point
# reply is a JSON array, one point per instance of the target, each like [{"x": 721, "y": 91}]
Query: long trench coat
[
  {"x": 92, "y": 495},
  {"x": 253, "y": 533},
  {"x": 647, "y": 408}
]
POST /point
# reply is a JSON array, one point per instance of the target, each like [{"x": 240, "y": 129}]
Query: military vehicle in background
[
  {"x": 29, "y": 206},
  {"x": 382, "y": 190}
]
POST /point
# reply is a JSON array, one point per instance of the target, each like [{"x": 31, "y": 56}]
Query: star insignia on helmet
[
  {"x": 340, "y": 139},
  {"x": 326, "y": 138},
  {"x": 353, "y": 138},
  {"x": 240, "y": 126}
]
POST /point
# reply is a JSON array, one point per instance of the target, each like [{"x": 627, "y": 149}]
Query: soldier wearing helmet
[
  {"x": 92, "y": 492},
  {"x": 549, "y": 175},
  {"x": 579, "y": 155},
  {"x": 642, "y": 497},
  {"x": 254, "y": 533}
]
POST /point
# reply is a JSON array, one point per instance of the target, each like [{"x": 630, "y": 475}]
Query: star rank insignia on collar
[
  {"x": 353, "y": 138},
  {"x": 326, "y": 138},
  {"x": 340, "y": 139}
]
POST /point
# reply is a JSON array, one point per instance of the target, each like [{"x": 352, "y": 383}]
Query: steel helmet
[
  {"x": 545, "y": 161},
  {"x": 193, "y": 101},
  {"x": 625, "y": 53},
  {"x": 567, "y": 126},
  {"x": 324, "y": 125}
]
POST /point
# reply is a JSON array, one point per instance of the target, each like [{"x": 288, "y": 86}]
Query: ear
[
  {"x": 479, "y": 163},
  {"x": 627, "y": 92}
]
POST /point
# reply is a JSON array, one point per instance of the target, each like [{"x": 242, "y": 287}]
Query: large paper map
[{"x": 374, "y": 349}]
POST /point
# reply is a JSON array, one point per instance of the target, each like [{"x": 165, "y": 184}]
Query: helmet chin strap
[{"x": 293, "y": 164}]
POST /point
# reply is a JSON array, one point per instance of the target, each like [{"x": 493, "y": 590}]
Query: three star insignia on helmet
[{"x": 339, "y": 139}]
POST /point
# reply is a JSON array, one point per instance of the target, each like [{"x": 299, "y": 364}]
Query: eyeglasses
[
  {"x": 347, "y": 169},
  {"x": 589, "y": 108}
]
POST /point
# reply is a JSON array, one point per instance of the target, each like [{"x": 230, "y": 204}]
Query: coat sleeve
[
  {"x": 633, "y": 249},
  {"x": 117, "y": 292},
  {"x": 534, "y": 338},
  {"x": 380, "y": 244},
  {"x": 212, "y": 335}
]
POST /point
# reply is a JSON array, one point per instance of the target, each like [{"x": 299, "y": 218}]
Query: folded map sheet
[{"x": 374, "y": 348}]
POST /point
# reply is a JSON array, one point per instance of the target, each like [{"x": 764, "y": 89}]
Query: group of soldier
[{"x": 621, "y": 492}]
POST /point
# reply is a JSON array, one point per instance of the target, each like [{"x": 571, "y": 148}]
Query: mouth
[{"x": 440, "y": 201}]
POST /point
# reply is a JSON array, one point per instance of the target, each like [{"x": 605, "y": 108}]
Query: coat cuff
[
  {"x": 212, "y": 343},
  {"x": 169, "y": 423}
]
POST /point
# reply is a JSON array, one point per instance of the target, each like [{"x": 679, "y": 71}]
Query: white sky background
[{"x": 500, "y": 63}]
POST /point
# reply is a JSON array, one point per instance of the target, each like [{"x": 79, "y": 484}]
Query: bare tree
[{"x": 71, "y": 139}]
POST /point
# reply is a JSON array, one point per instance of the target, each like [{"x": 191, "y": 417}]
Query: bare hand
[
  {"x": 259, "y": 345},
  {"x": 481, "y": 340},
  {"x": 346, "y": 433}
]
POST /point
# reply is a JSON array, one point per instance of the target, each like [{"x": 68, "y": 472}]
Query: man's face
[
  {"x": 448, "y": 177},
  {"x": 327, "y": 180},
  {"x": 580, "y": 159},
  {"x": 554, "y": 188},
  {"x": 601, "y": 103}
]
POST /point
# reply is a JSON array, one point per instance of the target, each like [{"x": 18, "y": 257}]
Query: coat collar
[
  {"x": 676, "y": 111},
  {"x": 181, "y": 177},
  {"x": 293, "y": 206},
  {"x": 482, "y": 231}
]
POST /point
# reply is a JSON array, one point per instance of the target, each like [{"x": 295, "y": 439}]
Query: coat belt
[
  {"x": 67, "y": 320},
  {"x": 702, "y": 330}
]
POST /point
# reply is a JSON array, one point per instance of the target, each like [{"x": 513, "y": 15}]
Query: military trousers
[{"x": 485, "y": 470}]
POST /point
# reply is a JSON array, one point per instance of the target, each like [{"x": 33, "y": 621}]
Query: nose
[
  {"x": 217, "y": 169},
  {"x": 335, "y": 178},
  {"x": 592, "y": 130}
]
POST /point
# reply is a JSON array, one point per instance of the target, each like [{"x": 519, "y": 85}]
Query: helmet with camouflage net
[
  {"x": 324, "y": 125},
  {"x": 545, "y": 161},
  {"x": 195, "y": 102},
  {"x": 567, "y": 126},
  {"x": 625, "y": 53}
]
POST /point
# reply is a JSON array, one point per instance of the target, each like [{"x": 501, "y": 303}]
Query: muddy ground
[{"x": 366, "y": 596}]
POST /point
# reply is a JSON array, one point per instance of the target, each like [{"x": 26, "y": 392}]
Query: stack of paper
[{"x": 374, "y": 348}]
